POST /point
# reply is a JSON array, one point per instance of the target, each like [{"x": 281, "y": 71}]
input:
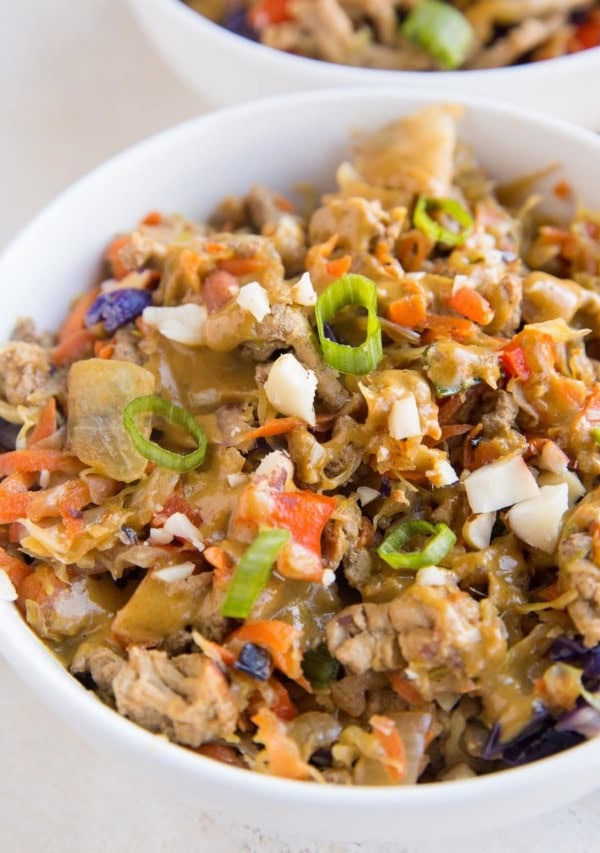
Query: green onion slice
[
  {"x": 253, "y": 572},
  {"x": 440, "y": 29},
  {"x": 155, "y": 405},
  {"x": 350, "y": 290},
  {"x": 596, "y": 434},
  {"x": 319, "y": 666},
  {"x": 432, "y": 229},
  {"x": 441, "y": 541}
]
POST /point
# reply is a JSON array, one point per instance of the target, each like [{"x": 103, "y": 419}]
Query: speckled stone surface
[{"x": 77, "y": 84}]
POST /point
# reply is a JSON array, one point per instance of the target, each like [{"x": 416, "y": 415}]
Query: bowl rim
[
  {"x": 56, "y": 687},
  {"x": 204, "y": 25}
]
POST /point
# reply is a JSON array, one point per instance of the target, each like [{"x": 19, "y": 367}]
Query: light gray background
[{"x": 78, "y": 83}]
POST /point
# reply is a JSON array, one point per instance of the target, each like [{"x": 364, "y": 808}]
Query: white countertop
[{"x": 78, "y": 83}]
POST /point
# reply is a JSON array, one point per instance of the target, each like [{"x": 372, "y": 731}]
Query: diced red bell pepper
[
  {"x": 514, "y": 362},
  {"x": 267, "y": 12},
  {"x": 304, "y": 514}
]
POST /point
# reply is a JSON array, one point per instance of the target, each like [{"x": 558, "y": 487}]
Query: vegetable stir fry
[
  {"x": 414, "y": 35},
  {"x": 316, "y": 495}
]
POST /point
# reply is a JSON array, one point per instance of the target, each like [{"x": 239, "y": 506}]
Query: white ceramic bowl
[
  {"x": 283, "y": 141},
  {"x": 228, "y": 68}
]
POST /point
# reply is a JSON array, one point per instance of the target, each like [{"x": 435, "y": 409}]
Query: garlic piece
[
  {"x": 254, "y": 298},
  {"x": 500, "y": 484},
  {"x": 537, "y": 521},
  {"x": 291, "y": 388},
  {"x": 404, "y": 421},
  {"x": 477, "y": 530},
  {"x": 303, "y": 292},
  {"x": 181, "y": 323}
]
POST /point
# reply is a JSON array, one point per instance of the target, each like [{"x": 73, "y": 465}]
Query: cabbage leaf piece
[{"x": 99, "y": 389}]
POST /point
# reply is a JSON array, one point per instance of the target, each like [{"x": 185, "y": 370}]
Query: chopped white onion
[
  {"x": 291, "y": 388},
  {"x": 174, "y": 573},
  {"x": 328, "y": 577},
  {"x": 366, "y": 495},
  {"x": 537, "y": 521},
  {"x": 443, "y": 474},
  {"x": 254, "y": 298},
  {"x": 404, "y": 421},
  {"x": 181, "y": 323},
  {"x": 159, "y": 536},
  {"x": 179, "y": 525},
  {"x": 574, "y": 484},
  {"x": 500, "y": 484},
  {"x": 434, "y": 576},
  {"x": 303, "y": 292},
  {"x": 236, "y": 480},
  {"x": 477, "y": 530},
  {"x": 552, "y": 458}
]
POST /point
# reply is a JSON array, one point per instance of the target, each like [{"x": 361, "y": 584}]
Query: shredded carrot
[
  {"x": 218, "y": 654},
  {"x": 284, "y": 204},
  {"x": 104, "y": 349},
  {"x": 37, "y": 459},
  {"x": 240, "y": 266},
  {"x": 412, "y": 248},
  {"x": 221, "y": 752},
  {"x": 76, "y": 346},
  {"x": 76, "y": 318},
  {"x": 411, "y": 476},
  {"x": 64, "y": 500},
  {"x": 472, "y": 305},
  {"x": 338, "y": 266},
  {"x": 218, "y": 558},
  {"x": 470, "y": 446},
  {"x": 16, "y": 569},
  {"x": 142, "y": 327},
  {"x": 282, "y": 752},
  {"x": 282, "y": 705},
  {"x": 19, "y": 481},
  {"x": 382, "y": 253},
  {"x": 214, "y": 248},
  {"x": 154, "y": 217},
  {"x": 16, "y": 531},
  {"x": 389, "y": 738},
  {"x": 592, "y": 406},
  {"x": 14, "y": 507},
  {"x": 113, "y": 256},
  {"x": 409, "y": 311},
  {"x": 450, "y": 407},
  {"x": 563, "y": 190},
  {"x": 447, "y": 431},
  {"x": 596, "y": 544},
  {"x": 46, "y": 425},
  {"x": 404, "y": 688},
  {"x": 440, "y": 326},
  {"x": 450, "y": 430},
  {"x": 40, "y": 586},
  {"x": 222, "y": 563},
  {"x": 275, "y": 426},
  {"x": 484, "y": 453},
  {"x": 549, "y": 593},
  {"x": 281, "y": 639}
]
